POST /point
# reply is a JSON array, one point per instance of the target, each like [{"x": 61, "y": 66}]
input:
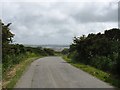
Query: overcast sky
[{"x": 57, "y": 21}]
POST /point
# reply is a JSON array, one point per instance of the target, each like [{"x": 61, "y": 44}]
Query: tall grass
[
  {"x": 12, "y": 74},
  {"x": 11, "y": 60}
]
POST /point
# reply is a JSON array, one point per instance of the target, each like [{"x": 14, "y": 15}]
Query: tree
[
  {"x": 99, "y": 50},
  {"x": 6, "y": 34}
]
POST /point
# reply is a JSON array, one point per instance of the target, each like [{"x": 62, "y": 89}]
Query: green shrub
[
  {"x": 73, "y": 56},
  {"x": 49, "y": 51},
  {"x": 102, "y": 62},
  {"x": 65, "y": 51},
  {"x": 101, "y": 50}
]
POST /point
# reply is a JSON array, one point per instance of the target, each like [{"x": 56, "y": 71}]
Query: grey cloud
[
  {"x": 93, "y": 13},
  {"x": 56, "y": 22},
  {"x": 119, "y": 14}
]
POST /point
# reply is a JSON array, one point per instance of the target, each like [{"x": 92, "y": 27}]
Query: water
[{"x": 54, "y": 47}]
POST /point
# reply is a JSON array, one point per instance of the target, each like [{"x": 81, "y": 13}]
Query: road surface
[{"x": 54, "y": 72}]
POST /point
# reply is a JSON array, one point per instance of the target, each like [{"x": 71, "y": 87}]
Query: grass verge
[
  {"x": 106, "y": 77},
  {"x": 14, "y": 74},
  {"x": 0, "y": 76}
]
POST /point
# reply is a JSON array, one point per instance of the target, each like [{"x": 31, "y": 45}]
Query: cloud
[
  {"x": 54, "y": 22},
  {"x": 97, "y": 12}
]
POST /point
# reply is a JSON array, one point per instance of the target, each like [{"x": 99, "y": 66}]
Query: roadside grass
[
  {"x": 104, "y": 76},
  {"x": 0, "y": 76},
  {"x": 14, "y": 74}
]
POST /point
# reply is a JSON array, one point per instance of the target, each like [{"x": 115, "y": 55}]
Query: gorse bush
[{"x": 99, "y": 50}]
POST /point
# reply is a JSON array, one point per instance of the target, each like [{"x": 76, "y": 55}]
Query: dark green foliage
[
  {"x": 65, "y": 51},
  {"x": 13, "y": 54},
  {"x": 40, "y": 51},
  {"x": 99, "y": 50},
  {"x": 102, "y": 62},
  {"x": 6, "y": 34},
  {"x": 49, "y": 51}
]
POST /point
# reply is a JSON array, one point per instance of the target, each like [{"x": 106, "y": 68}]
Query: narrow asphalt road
[{"x": 54, "y": 72}]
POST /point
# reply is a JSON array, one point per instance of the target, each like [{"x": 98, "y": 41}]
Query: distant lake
[{"x": 54, "y": 47}]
